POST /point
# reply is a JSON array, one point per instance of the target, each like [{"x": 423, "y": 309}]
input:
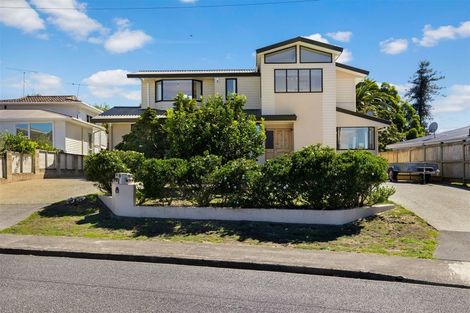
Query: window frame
[
  {"x": 161, "y": 81},
  {"x": 369, "y": 129},
  {"x": 38, "y": 122},
  {"x": 226, "y": 83},
  {"x": 280, "y": 50},
  {"x": 298, "y": 80},
  {"x": 315, "y": 50}
]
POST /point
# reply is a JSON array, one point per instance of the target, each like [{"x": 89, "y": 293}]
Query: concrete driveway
[
  {"x": 446, "y": 208},
  {"x": 18, "y": 200}
]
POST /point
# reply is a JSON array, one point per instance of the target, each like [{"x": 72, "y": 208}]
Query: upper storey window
[
  {"x": 298, "y": 80},
  {"x": 314, "y": 56},
  {"x": 288, "y": 55},
  {"x": 166, "y": 90}
]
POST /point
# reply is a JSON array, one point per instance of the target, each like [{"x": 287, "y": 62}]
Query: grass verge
[{"x": 396, "y": 232}]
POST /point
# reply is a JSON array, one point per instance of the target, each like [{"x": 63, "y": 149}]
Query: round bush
[{"x": 102, "y": 167}]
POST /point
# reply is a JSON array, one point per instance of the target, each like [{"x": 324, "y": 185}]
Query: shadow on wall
[{"x": 91, "y": 211}]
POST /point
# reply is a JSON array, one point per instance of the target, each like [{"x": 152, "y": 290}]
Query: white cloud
[
  {"x": 402, "y": 88},
  {"x": 340, "y": 36},
  {"x": 44, "y": 83},
  {"x": 112, "y": 83},
  {"x": 345, "y": 57},
  {"x": 26, "y": 18},
  {"x": 124, "y": 39},
  {"x": 317, "y": 37},
  {"x": 432, "y": 36},
  {"x": 74, "y": 22},
  {"x": 393, "y": 46},
  {"x": 457, "y": 100},
  {"x": 188, "y": 1}
]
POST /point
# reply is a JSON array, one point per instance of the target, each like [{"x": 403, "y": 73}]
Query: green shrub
[
  {"x": 274, "y": 186},
  {"x": 17, "y": 143},
  {"x": 312, "y": 175},
  {"x": 199, "y": 178},
  {"x": 357, "y": 175},
  {"x": 132, "y": 159},
  {"x": 162, "y": 178},
  {"x": 102, "y": 167},
  {"x": 234, "y": 180},
  {"x": 380, "y": 195}
]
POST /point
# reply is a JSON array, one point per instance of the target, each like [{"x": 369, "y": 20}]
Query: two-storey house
[
  {"x": 304, "y": 96},
  {"x": 62, "y": 121}
]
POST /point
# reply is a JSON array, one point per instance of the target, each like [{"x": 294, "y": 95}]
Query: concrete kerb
[{"x": 258, "y": 266}]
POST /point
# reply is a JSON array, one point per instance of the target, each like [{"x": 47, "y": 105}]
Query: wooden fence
[
  {"x": 453, "y": 158},
  {"x": 16, "y": 166}
]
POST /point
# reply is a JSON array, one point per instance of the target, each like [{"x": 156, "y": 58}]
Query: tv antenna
[
  {"x": 433, "y": 127},
  {"x": 78, "y": 87},
  {"x": 24, "y": 71}
]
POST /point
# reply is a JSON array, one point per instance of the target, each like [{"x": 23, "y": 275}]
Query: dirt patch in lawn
[{"x": 395, "y": 232}]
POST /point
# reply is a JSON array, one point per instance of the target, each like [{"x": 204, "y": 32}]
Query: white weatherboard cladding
[
  {"x": 346, "y": 90},
  {"x": 249, "y": 86},
  {"x": 73, "y": 139},
  {"x": 329, "y": 105}
]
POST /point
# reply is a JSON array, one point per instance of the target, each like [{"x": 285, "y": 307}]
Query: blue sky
[{"x": 94, "y": 45}]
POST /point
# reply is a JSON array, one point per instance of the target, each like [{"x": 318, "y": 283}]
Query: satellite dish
[{"x": 433, "y": 127}]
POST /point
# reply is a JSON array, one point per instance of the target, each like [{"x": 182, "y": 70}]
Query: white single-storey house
[
  {"x": 62, "y": 121},
  {"x": 297, "y": 86}
]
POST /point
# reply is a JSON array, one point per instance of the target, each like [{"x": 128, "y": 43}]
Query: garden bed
[{"x": 395, "y": 232}]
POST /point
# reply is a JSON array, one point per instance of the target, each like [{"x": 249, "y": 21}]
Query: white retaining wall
[{"x": 122, "y": 203}]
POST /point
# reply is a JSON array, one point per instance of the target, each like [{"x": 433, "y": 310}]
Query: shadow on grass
[{"x": 94, "y": 213}]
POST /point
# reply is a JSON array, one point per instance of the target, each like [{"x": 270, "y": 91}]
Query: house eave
[
  {"x": 365, "y": 116},
  {"x": 299, "y": 39}
]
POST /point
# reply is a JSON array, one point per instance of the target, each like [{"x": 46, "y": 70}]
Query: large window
[
  {"x": 355, "y": 138},
  {"x": 166, "y": 90},
  {"x": 22, "y": 129},
  {"x": 288, "y": 55},
  {"x": 298, "y": 80},
  {"x": 314, "y": 56},
  {"x": 40, "y": 132},
  {"x": 230, "y": 86}
]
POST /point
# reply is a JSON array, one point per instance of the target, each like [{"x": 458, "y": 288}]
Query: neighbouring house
[
  {"x": 449, "y": 149},
  {"x": 304, "y": 96},
  {"x": 62, "y": 121}
]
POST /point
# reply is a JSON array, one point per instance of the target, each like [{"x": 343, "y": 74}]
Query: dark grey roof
[
  {"x": 131, "y": 114},
  {"x": 352, "y": 68},
  {"x": 301, "y": 39},
  {"x": 362, "y": 115},
  {"x": 459, "y": 134},
  {"x": 194, "y": 73}
]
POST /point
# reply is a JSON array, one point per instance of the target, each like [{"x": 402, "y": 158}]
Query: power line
[{"x": 170, "y": 7}]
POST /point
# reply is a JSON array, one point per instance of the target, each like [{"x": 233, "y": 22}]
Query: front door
[{"x": 279, "y": 141}]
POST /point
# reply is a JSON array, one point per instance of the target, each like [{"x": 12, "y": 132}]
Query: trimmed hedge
[
  {"x": 314, "y": 177},
  {"x": 102, "y": 167}
]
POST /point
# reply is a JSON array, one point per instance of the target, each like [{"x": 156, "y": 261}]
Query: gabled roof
[
  {"x": 42, "y": 99},
  {"x": 352, "y": 68},
  {"x": 301, "y": 39},
  {"x": 193, "y": 73},
  {"x": 453, "y": 135},
  {"x": 362, "y": 115}
]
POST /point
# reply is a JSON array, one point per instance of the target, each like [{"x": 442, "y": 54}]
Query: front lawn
[{"x": 396, "y": 232}]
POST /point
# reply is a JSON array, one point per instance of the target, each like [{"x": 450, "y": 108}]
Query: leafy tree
[
  {"x": 146, "y": 136},
  {"x": 423, "y": 88},
  {"x": 385, "y": 102},
  {"x": 102, "y": 106},
  {"x": 189, "y": 129}
]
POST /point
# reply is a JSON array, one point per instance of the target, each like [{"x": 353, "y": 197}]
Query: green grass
[{"x": 396, "y": 232}]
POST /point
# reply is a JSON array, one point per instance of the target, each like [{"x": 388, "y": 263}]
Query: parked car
[{"x": 422, "y": 170}]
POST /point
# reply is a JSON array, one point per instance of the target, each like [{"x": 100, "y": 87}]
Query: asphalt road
[{"x": 45, "y": 284}]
